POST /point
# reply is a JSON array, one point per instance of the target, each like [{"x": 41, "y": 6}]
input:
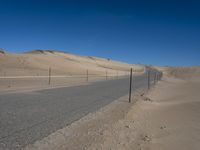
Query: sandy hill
[
  {"x": 37, "y": 62},
  {"x": 186, "y": 73}
]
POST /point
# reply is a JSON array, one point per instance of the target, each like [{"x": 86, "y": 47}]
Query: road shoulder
[{"x": 166, "y": 118}]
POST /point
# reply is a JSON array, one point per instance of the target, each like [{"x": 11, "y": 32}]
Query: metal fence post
[
  {"x": 155, "y": 78},
  {"x": 49, "y": 75},
  {"x": 161, "y": 74},
  {"x": 148, "y": 76},
  {"x": 87, "y": 78},
  {"x": 130, "y": 89},
  {"x": 106, "y": 75}
]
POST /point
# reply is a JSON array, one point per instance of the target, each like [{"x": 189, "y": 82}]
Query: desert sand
[
  {"x": 30, "y": 70},
  {"x": 166, "y": 117}
]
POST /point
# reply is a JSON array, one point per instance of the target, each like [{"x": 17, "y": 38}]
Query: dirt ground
[{"x": 167, "y": 117}]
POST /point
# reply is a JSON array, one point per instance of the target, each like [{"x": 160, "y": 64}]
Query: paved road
[{"x": 30, "y": 116}]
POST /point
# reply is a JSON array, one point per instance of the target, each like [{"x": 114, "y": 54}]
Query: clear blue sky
[{"x": 161, "y": 32}]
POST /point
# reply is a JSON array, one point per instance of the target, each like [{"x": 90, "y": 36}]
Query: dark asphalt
[{"x": 30, "y": 116}]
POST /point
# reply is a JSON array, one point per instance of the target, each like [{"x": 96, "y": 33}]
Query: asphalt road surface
[{"x": 30, "y": 116}]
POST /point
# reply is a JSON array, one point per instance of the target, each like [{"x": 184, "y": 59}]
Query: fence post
[
  {"x": 49, "y": 75},
  {"x": 130, "y": 89},
  {"x": 106, "y": 75},
  {"x": 161, "y": 74},
  {"x": 148, "y": 74},
  {"x": 155, "y": 78},
  {"x": 87, "y": 76}
]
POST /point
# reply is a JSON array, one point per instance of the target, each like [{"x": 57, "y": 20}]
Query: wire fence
[
  {"x": 52, "y": 78},
  {"x": 44, "y": 81}
]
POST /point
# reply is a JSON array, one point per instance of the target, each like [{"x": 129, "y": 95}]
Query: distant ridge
[
  {"x": 49, "y": 51},
  {"x": 39, "y": 51}
]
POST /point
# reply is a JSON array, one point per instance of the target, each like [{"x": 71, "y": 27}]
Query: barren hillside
[
  {"x": 37, "y": 62},
  {"x": 186, "y": 73}
]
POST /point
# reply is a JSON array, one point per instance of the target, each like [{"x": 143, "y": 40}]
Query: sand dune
[
  {"x": 33, "y": 65},
  {"x": 37, "y": 62},
  {"x": 185, "y": 73}
]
